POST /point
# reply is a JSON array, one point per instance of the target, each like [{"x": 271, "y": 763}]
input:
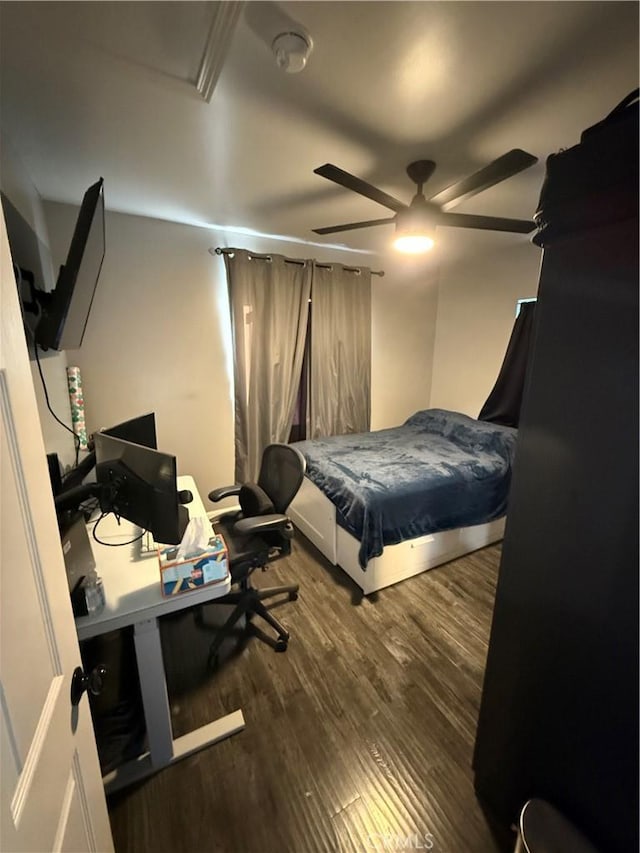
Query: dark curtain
[
  {"x": 503, "y": 403},
  {"x": 299, "y": 425}
]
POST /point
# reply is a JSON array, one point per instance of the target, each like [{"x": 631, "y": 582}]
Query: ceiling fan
[{"x": 415, "y": 222}]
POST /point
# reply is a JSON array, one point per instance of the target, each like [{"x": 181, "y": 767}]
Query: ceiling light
[
  {"x": 414, "y": 230},
  {"x": 413, "y": 244}
]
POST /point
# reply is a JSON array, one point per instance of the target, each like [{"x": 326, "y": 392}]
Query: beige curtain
[
  {"x": 269, "y": 300},
  {"x": 340, "y": 354}
]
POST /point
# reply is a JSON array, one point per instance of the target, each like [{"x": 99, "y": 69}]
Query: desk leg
[
  {"x": 163, "y": 749},
  {"x": 153, "y": 687}
]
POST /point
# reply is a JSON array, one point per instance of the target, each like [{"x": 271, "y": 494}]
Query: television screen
[{"x": 66, "y": 310}]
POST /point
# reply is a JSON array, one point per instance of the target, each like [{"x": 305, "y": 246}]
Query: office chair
[{"x": 257, "y": 535}]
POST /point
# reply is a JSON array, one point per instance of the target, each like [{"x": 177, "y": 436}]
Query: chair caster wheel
[
  {"x": 281, "y": 645},
  {"x": 293, "y": 596}
]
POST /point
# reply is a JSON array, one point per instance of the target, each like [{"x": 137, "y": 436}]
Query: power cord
[
  {"x": 112, "y": 544},
  {"x": 76, "y": 439}
]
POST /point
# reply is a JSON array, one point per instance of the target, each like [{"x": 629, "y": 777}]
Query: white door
[{"x": 51, "y": 790}]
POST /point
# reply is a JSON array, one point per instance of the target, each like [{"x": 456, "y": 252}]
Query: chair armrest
[
  {"x": 263, "y": 524},
  {"x": 224, "y": 492}
]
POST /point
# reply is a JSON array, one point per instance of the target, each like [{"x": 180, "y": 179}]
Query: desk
[{"x": 133, "y": 597}]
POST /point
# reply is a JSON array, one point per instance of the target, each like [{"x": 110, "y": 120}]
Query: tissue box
[{"x": 198, "y": 569}]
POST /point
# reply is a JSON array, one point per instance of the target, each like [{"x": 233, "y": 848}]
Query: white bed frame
[{"x": 314, "y": 514}]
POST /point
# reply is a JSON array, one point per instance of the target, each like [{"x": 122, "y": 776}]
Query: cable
[
  {"x": 112, "y": 544},
  {"x": 76, "y": 439}
]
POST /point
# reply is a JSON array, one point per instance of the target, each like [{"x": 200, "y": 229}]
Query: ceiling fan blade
[
  {"x": 351, "y": 226},
  {"x": 487, "y": 223},
  {"x": 504, "y": 167},
  {"x": 339, "y": 176}
]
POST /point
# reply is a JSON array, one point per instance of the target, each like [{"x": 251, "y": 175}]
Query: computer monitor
[
  {"x": 139, "y": 483},
  {"x": 140, "y": 430}
]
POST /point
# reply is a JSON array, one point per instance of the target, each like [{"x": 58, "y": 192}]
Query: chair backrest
[{"x": 281, "y": 473}]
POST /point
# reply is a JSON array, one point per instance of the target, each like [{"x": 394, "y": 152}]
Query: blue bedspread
[{"x": 438, "y": 471}]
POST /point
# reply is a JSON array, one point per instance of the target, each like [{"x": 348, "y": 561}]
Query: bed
[{"x": 388, "y": 504}]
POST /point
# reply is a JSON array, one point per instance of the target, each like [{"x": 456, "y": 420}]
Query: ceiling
[{"x": 108, "y": 88}]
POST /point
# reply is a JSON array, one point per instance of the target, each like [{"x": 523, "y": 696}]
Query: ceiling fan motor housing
[
  {"x": 418, "y": 217},
  {"x": 420, "y": 171}
]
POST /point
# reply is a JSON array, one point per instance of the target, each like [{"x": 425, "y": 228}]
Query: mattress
[{"x": 440, "y": 470}]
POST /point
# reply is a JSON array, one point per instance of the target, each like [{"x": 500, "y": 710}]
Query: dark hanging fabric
[{"x": 503, "y": 403}]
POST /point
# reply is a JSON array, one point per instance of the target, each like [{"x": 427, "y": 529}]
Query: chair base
[{"x": 249, "y": 602}]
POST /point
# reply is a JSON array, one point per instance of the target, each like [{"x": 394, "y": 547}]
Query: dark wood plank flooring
[{"x": 359, "y": 738}]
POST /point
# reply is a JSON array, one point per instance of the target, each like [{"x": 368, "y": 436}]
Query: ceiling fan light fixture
[
  {"x": 416, "y": 222},
  {"x": 414, "y": 231},
  {"x": 413, "y": 244}
]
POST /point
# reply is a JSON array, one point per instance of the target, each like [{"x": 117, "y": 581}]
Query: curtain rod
[{"x": 220, "y": 251}]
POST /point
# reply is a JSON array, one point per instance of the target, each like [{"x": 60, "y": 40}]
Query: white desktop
[{"x": 133, "y": 597}]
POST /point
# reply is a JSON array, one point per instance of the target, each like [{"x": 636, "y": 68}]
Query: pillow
[{"x": 254, "y": 501}]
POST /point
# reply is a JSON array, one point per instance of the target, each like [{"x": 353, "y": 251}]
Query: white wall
[
  {"x": 158, "y": 338},
  {"x": 476, "y": 311},
  {"x": 402, "y": 340}
]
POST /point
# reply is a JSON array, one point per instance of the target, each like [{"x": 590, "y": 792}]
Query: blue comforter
[{"x": 438, "y": 471}]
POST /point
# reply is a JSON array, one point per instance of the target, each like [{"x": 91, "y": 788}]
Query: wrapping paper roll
[{"x": 74, "y": 382}]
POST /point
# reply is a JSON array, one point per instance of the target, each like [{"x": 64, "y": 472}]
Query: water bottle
[{"x": 93, "y": 593}]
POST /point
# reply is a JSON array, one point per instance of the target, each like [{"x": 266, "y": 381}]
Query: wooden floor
[{"x": 359, "y": 738}]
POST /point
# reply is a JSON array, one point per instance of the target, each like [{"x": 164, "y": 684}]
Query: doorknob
[{"x": 92, "y": 682}]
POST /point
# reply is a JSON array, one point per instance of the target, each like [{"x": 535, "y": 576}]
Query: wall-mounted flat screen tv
[{"x": 65, "y": 311}]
